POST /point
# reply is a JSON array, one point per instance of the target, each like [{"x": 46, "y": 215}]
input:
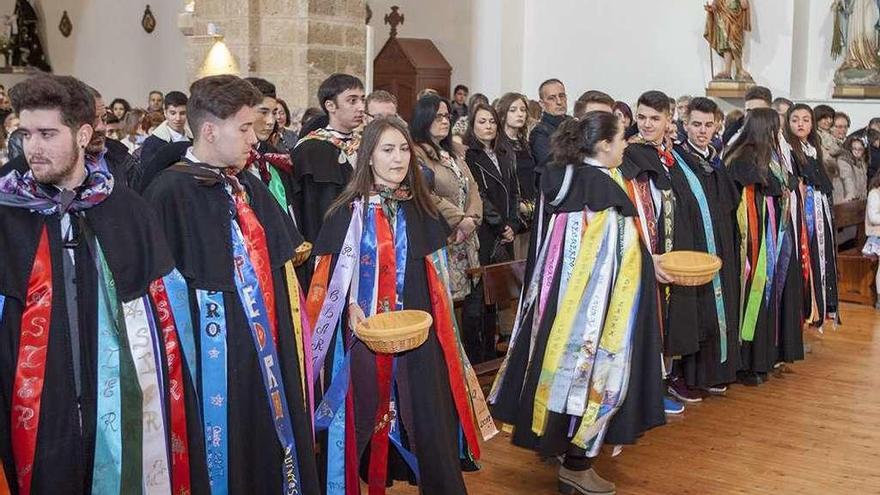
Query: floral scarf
[
  {"x": 23, "y": 191},
  {"x": 348, "y": 146}
]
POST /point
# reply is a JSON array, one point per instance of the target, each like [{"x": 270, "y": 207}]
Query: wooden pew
[
  {"x": 855, "y": 271},
  {"x": 502, "y": 283}
]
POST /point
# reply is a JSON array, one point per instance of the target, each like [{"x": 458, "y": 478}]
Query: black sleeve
[{"x": 539, "y": 141}]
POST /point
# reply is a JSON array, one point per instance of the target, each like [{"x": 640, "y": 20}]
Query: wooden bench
[
  {"x": 855, "y": 271},
  {"x": 502, "y": 283}
]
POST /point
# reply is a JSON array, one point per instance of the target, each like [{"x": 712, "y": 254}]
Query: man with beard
[
  {"x": 85, "y": 388},
  {"x": 235, "y": 246},
  {"x": 124, "y": 167}
]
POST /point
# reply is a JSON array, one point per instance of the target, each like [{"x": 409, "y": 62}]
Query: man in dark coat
[{"x": 554, "y": 102}]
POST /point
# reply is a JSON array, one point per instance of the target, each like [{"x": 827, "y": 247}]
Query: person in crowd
[
  {"x": 174, "y": 129},
  {"x": 820, "y": 274},
  {"x": 386, "y": 216},
  {"x": 155, "y": 101},
  {"x": 840, "y": 127},
  {"x": 781, "y": 105},
  {"x": 235, "y": 246},
  {"x": 554, "y": 105},
  {"x": 714, "y": 365},
  {"x": 456, "y": 195},
  {"x": 553, "y": 410},
  {"x": 493, "y": 167},
  {"x": 592, "y": 101},
  {"x": 459, "y": 102},
  {"x": 755, "y": 97},
  {"x": 132, "y": 134},
  {"x": 855, "y": 157},
  {"x": 513, "y": 115},
  {"x": 770, "y": 328},
  {"x": 679, "y": 116},
  {"x": 272, "y": 165},
  {"x": 81, "y": 330},
  {"x": 625, "y": 114},
  {"x": 311, "y": 117},
  {"x": 119, "y": 107},
  {"x": 872, "y": 229},
  {"x": 324, "y": 159},
  {"x": 379, "y": 104},
  {"x": 285, "y": 134}
]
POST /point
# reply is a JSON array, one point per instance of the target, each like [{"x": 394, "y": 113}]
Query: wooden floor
[{"x": 816, "y": 431}]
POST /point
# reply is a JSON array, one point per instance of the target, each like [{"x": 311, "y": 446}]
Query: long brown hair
[
  {"x": 758, "y": 139},
  {"x": 503, "y": 107},
  {"x": 361, "y": 183},
  {"x": 813, "y": 138}
]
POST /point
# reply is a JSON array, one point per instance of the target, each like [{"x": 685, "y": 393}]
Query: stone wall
[{"x": 293, "y": 43}]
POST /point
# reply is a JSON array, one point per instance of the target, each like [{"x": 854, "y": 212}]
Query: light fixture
[{"x": 219, "y": 59}]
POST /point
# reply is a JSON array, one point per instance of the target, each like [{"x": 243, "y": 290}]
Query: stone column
[{"x": 295, "y": 44}]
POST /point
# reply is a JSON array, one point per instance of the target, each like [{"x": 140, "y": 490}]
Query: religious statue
[
  {"x": 857, "y": 38},
  {"x": 727, "y": 21},
  {"x": 25, "y": 49}
]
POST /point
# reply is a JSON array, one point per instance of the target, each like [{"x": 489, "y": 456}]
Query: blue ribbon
[
  {"x": 810, "y": 212},
  {"x": 107, "y": 471},
  {"x": 178, "y": 295},
  {"x": 251, "y": 297},
  {"x": 212, "y": 325},
  {"x": 335, "y": 397},
  {"x": 2, "y": 305},
  {"x": 709, "y": 232}
]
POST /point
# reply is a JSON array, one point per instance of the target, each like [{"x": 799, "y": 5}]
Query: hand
[
  {"x": 662, "y": 276},
  {"x": 467, "y": 225},
  {"x": 507, "y": 235},
  {"x": 355, "y": 315}
]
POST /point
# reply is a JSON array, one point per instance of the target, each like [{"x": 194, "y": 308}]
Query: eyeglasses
[{"x": 442, "y": 116}]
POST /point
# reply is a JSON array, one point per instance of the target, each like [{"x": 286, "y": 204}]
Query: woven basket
[
  {"x": 302, "y": 253},
  {"x": 395, "y": 331},
  {"x": 690, "y": 268}
]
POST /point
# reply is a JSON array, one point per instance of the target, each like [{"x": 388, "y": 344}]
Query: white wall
[{"x": 109, "y": 49}]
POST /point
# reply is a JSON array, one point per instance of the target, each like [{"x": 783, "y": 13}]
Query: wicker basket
[
  {"x": 395, "y": 331},
  {"x": 690, "y": 268},
  {"x": 302, "y": 253}
]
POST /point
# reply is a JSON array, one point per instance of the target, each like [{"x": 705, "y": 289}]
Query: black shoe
[{"x": 749, "y": 379}]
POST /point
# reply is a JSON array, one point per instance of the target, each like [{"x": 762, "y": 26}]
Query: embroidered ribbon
[
  {"x": 258, "y": 251},
  {"x": 566, "y": 312},
  {"x": 247, "y": 250},
  {"x": 178, "y": 295},
  {"x": 752, "y": 230},
  {"x": 302, "y": 334},
  {"x": 180, "y": 477},
  {"x": 709, "y": 232},
  {"x": 212, "y": 325},
  {"x": 30, "y": 371},
  {"x": 141, "y": 336}
]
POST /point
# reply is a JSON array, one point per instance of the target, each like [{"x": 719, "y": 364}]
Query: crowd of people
[{"x": 181, "y": 284}]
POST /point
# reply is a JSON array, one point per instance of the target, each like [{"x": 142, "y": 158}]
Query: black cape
[
  {"x": 426, "y": 406},
  {"x": 642, "y": 409},
  {"x": 197, "y": 220},
  {"x": 135, "y": 250}
]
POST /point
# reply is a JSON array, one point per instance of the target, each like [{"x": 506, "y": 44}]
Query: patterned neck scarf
[
  {"x": 23, "y": 191},
  {"x": 399, "y": 193},
  {"x": 262, "y": 161}
]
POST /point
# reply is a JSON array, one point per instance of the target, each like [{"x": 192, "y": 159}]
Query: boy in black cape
[
  {"x": 234, "y": 244},
  {"x": 78, "y": 247}
]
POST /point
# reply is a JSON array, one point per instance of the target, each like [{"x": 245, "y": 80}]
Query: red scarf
[{"x": 262, "y": 161}]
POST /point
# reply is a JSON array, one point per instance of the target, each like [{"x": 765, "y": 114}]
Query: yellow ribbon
[{"x": 293, "y": 296}]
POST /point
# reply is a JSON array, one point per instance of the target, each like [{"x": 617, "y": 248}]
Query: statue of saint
[
  {"x": 727, "y": 21},
  {"x": 856, "y": 31}
]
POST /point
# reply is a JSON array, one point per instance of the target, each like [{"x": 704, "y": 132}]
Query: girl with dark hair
[
  {"x": 284, "y": 136},
  {"x": 119, "y": 107},
  {"x": 583, "y": 367},
  {"x": 872, "y": 228},
  {"x": 456, "y": 195},
  {"x": 771, "y": 278},
  {"x": 513, "y": 113},
  {"x": 815, "y": 197},
  {"x": 492, "y": 167},
  {"x": 399, "y": 415}
]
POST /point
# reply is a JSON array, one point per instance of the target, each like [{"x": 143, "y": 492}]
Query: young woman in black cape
[
  {"x": 592, "y": 186},
  {"x": 771, "y": 317},
  {"x": 815, "y": 199},
  {"x": 429, "y": 383}
]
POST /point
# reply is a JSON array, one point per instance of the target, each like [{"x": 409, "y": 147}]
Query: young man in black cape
[
  {"x": 173, "y": 130},
  {"x": 323, "y": 160},
  {"x": 671, "y": 217},
  {"x": 78, "y": 385},
  {"x": 715, "y": 364},
  {"x": 234, "y": 244}
]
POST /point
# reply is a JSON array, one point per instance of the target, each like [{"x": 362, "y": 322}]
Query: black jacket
[
  {"x": 500, "y": 195},
  {"x": 539, "y": 139}
]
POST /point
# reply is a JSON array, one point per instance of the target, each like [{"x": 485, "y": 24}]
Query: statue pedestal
[
  {"x": 854, "y": 92},
  {"x": 726, "y": 88}
]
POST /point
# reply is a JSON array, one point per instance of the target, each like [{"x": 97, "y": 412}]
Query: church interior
[{"x": 607, "y": 307}]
